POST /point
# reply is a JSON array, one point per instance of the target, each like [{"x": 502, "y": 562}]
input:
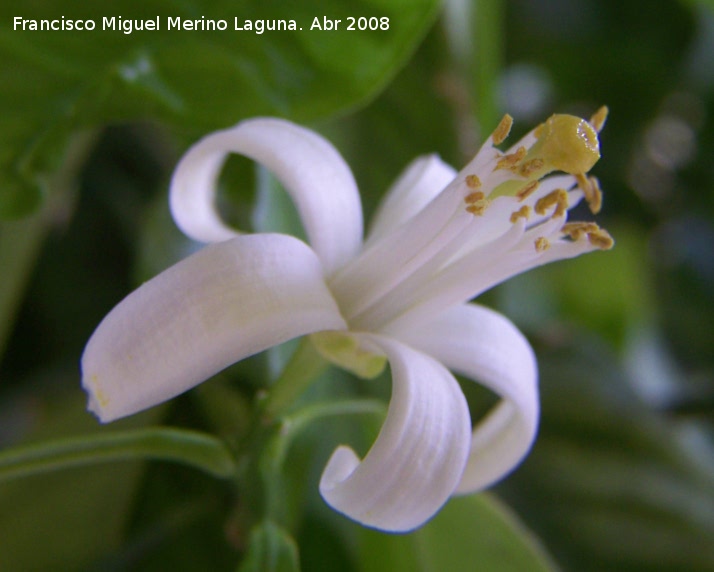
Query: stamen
[
  {"x": 597, "y": 236},
  {"x": 474, "y": 197},
  {"x": 601, "y": 239},
  {"x": 530, "y": 167},
  {"x": 558, "y": 197},
  {"x": 591, "y": 190},
  {"x": 542, "y": 244},
  {"x": 511, "y": 160},
  {"x": 504, "y": 128},
  {"x": 599, "y": 118},
  {"x": 595, "y": 203},
  {"x": 523, "y": 212},
  {"x": 477, "y": 208},
  {"x": 526, "y": 191},
  {"x": 576, "y": 230},
  {"x": 473, "y": 182}
]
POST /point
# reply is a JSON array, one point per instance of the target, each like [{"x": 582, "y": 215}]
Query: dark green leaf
[
  {"x": 474, "y": 534},
  {"x": 611, "y": 484},
  {"x": 56, "y": 82},
  {"x": 64, "y": 520},
  {"x": 193, "y": 448}
]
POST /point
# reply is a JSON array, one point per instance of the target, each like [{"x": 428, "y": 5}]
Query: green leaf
[
  {"x": 64, "y": 520},
  {"x": 188, "y": 447},
  {"x": 474, "y": 533},
  {"x": 56, "y": 82},
  {"x": 612, "y": 484},
  {"x": 271, "y": 549},
  {"x": 706, "y": 4}
]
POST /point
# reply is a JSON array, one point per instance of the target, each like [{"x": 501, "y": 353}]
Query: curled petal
[
  {"x": 483, "y": 345},
  {"x": 226, "y": 302},
  {"x": 419, "y": 183},
  {"x": 309, "y": 167},
  {"x": 418, "y": 458}
]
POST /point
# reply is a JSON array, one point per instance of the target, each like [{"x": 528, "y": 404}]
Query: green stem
[
  {"x": 274, "y": 453},
  {"x": 192, "y": 448},
  {"x": 304, "y": 367},
  {"x": 293, "y": 424}
]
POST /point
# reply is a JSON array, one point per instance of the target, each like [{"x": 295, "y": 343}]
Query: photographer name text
[{"x": 203, "y": 24}]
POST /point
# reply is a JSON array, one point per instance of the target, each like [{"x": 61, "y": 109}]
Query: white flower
[{"x": 439, "y": 239}]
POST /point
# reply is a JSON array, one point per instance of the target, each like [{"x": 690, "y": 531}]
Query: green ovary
[{"x": 345, "y": 351}]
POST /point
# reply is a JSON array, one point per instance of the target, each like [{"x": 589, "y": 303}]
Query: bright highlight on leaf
[{"x": 439, "y": 239}]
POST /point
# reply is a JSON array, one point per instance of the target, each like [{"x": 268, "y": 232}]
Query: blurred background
[{"x": 622, "y": 474}]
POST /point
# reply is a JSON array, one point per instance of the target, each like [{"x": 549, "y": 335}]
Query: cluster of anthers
[{"x": 565, "y": 143}]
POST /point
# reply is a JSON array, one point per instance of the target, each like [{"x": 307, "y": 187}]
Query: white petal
[
  {"x": 309, "y": 167},
  {"x": 386, "y": 262},
  {"x": 426, "y": 297},
  {"x": 483, "y": 345},
  {"x": 419, "y": 183},
  {"x": 226, "y": 302},
  {"x": 417, "y": 461}
]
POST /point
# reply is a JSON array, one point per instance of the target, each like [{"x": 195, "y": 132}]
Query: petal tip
[{"x": 97, "y": 401}]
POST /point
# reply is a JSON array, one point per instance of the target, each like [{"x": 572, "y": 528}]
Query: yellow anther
[
  {"x": 504, "y": 128},
  {"x": 577, "y": 230},
  {"x": 542, "y": 244},
  {"x": 523, "y": 212},
  {"x": 511, "y": 160},
  {"x": 473, "y": 182},
  {"x": 596, "y": 236},
  {"x": 567, "y": 143},
  {"x": 599, "y": 118},
  {"x": 474, "y": 197},
  {"x": 559, "y": 198},
  {"x": 591, "y": 190},
  {"x": 527, "y": 191},
  {"x": 477, "y": 208},
  {"x": 530, "y": 167},
  {"x": 595, "y": 202},
  {"x": 601, "y": 239}
]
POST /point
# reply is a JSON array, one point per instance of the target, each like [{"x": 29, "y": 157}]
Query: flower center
[
  {"x": 563, "y": 143},
  {"x": 495, "y": 219}
]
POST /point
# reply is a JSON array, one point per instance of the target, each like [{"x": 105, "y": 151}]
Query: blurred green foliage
[
  {"x": 194, "y": 80},
  {"x": 622, "y": 476}
]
